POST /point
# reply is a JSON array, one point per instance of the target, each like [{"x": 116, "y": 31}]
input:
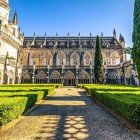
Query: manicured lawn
[
  {"x": 125, "y": 100},
  {"x": 16, "y": 99}
]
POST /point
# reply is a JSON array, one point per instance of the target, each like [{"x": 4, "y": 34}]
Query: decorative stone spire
[
  {"x": 79, "y": 35},
  {"x": 56, "y": 40},
  {"x": 68, "y": 34},
  {"x": 15, "y": 19},
  {"x": 68, "y": 40},
  {"x": 114, "y": 33},
  {"x": 33, "y": 43},
  {"x": 56, "y": 35},
  {"x": 90, "y": 35},
  {"x": 102, "y": 35},
  {"x": 121, "y": 38},
  {"x": 45, "y": 41}
]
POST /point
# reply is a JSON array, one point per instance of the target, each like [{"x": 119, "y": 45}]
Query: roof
[{"x": 67, "y": 41}]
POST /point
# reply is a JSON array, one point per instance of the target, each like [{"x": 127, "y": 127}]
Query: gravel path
[{"x": 69, "y": 115}]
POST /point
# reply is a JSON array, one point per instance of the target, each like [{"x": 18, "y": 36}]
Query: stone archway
[
  {"x": 84, "y": 77},
  {"x": 61, "y": 58},
  {"x": 87, "y": 58},
  {"x": 115, "y": 58},
  {"x": 69, "y": 79},
  {"x": 41, "y": 77},
  {"x": 55, "y": 77},
  {"x": 74, "y": 59}
]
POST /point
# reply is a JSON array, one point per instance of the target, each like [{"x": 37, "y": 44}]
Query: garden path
[{"x": 69, "y": 114}]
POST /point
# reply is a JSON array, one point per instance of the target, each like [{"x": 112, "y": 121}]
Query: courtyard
[{"x": 69, "y": 114}]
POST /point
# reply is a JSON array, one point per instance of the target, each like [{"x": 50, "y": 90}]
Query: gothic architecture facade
[
  {"x": 11, "y": 39},
  {"x": 68, "y": 60}
]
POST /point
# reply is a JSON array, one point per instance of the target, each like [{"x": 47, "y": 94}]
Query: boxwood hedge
[
  {"x": 122, "y": 99},
  {"x": 13, "y": 104}
]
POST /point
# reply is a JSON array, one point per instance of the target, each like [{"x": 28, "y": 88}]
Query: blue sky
[{"x": 75, "y": 16}]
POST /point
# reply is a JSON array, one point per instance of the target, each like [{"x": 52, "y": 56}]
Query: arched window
[
  {"x": 61, "y": 58},
  {"x": 35, "y": 57},
  {"x": 74, "y": 59},
  {"x": 115, "y": 58},
  {"x": 49, "y": 58},
  {"x": 87, "y": 59}
]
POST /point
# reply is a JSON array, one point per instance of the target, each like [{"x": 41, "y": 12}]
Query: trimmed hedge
[
  {"x": 14, "y": 104},
  {"x": 32, "y": 85},
  {"x": 12, "y": 108},
  {"x": 122, "y": 99}
]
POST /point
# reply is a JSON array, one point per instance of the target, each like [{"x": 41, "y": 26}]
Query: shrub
[
  {"x": 122, "y": 99},
  {"x": 12, "y": 108},
  {"x": 13, "y": 104}
]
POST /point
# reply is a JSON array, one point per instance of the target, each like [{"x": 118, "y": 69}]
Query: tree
[
  {"x": 136, "y": 37},
  {"x": 98, "y": 62}
]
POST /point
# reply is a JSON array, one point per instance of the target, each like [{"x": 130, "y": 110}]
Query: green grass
[
  {"x": 16, "y": 99},
  {"x": 125, "y": 100}
]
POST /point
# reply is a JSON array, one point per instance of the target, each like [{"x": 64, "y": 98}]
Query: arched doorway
[
  {"x": 55, "y": 77},
  {"x": 84, "y": 77},
  {"x": 69, "y": 79},
  {"x": 41, "y": 78}
]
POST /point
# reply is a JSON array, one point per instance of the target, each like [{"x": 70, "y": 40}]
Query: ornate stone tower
[
  {"x": 11, "y": 39},
  {"x": 4, "y": 11}
]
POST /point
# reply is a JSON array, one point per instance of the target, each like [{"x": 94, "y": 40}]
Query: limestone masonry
[{"x": 68, "y": 60}]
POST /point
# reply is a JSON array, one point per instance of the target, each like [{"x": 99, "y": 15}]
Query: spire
[
  {"x": 56, "y": 40},
  {"x": 44, "y": 44},
  {"x": 33, "y": 43},
  {"x": 102, "y": 35},
  {"x": 90, "y": 35},
  {"x": 56, "y": 35},
  {"x": 15, "y": 19},
  {"x": 79, "y": 35},
  {"x": 68, "y": 34},
  {"x": 114, "y": 33},
  {"x": 68, "y": 40},
  {"x": 121, "y": 38}
]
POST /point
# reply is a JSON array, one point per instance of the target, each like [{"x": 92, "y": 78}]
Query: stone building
[
  {"x": 11, "y": 40},
  {"x": 68, "y": 60}
]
